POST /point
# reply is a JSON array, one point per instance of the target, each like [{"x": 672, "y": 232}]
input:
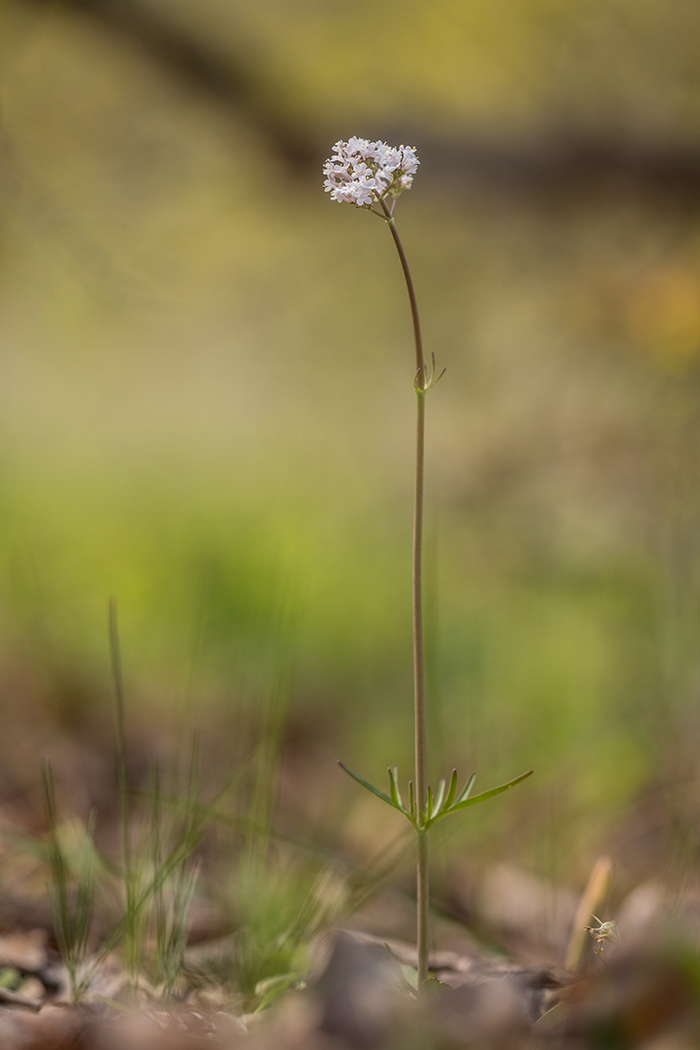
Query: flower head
[{"x": 362, "y": 172}]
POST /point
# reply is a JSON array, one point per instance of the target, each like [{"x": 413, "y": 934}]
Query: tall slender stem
[
  {"x": 420, "y": 383},
  {"x": 122, "y": 776},
  {"x": 423, "y": 903},
  {"x": 123, "y": 783},
  {"x": 420, "y": 363},
  {"x": 418, "y": 657}
]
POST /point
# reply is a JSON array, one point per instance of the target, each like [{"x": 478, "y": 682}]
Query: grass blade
[
  {"x": 366, "y": 784},
  {"x": 396, "y": 799},
  {"x": 485, "y": 795},
  {"x": 466, "y": 791},
  {"x": 439, "y": 798},
  {"x": 70, "y": 891},
  {"x": 452, "y": 790},
  {"x": 122, "y": 768}
]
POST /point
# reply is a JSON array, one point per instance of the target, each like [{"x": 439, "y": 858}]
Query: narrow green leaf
[
  {"x": 430, "y": 802},
  {"x": 551, "y": 1020},
  {"x": 476, "y": 799},
  {"x": 467, "y": 790},
  {"x": 366, "y": 784},
  {"x": 411, "y": 801},
  {"x": 410, "y": 976},
  {"x": 273, "y": 987},
  {"x": 452, "y": 790},
  {"x": 396, "y": 799},
  {"x": 439, "y": 798}
]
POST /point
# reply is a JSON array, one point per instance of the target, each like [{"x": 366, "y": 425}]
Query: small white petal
[{"x": 361, "y": 172}]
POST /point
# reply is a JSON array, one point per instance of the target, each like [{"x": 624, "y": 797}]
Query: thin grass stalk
[
  {"x": 271, "y": 732},
  {"x": 131, "y": 919},
  {"x": 72, "y": 919},
  {"x": 59, "y": 869},
  {"x": 157, "y": 860},
  {"x": 122, "y": 776},
  {"x": 132, "y": 914}
]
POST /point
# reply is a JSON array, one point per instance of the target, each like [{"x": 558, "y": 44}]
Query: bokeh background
[{"x": 206, "y": 406}]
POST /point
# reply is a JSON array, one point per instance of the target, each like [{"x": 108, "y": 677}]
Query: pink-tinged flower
[{"x": 361, "y": 172}]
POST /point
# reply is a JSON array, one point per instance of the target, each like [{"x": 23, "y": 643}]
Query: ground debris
[
  {"x": 163, "y": 1027},
  {"x": 358, "y": 992},
  {"x": 360, "y": 995},
  {"x": 168, "y": 1027},
  {"x": 51, "y": 1028},
  {"x": 645, "y": 998}
]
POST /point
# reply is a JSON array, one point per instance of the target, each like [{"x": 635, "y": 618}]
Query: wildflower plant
[{"x": 372, "y": 175}]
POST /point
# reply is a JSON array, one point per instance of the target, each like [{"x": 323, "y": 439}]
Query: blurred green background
[{"x": 206, "y": 406}]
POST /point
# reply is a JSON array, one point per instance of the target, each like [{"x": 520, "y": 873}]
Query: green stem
[
  {"x": 423, "y": 903},
  {"x": 421, "y": 383},
  {"x": 418, "y": 656},
  {"x": 420, "y": 364},
  {"x": 122, "y": 773}
]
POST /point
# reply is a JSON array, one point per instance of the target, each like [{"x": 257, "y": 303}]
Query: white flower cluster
[{"x": 361, "y": 172}]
